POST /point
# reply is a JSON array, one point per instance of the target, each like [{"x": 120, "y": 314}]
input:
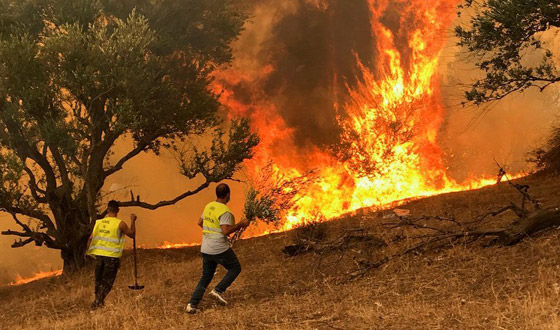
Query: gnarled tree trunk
[
  {"x": 73, "y": 256},
  {"x": 74, "y": 228}
]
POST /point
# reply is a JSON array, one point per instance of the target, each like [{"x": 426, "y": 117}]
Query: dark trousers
[
  {"x": 227, "y": 259},
  {"x": 106, "y": 269}
]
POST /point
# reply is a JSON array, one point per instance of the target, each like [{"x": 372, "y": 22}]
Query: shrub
[{"x": 547, "y": 158}]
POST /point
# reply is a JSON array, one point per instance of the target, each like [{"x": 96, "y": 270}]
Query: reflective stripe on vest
[
  {"x": 107, "y": 240},
  {"x": 105, "y": 248},
  {"x": 211, "y": 219}
]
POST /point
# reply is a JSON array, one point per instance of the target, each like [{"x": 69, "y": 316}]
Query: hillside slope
[{"x": 460, "y": 287}]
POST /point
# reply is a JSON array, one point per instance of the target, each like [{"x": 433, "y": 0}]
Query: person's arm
[
  {"x": 130, "y": 232},
  {"x": 200, "y": 220},
  {"x": 88, "y": 244},
  {"x": 90, "y": 238},
  {"x": 230, "y": 229}
]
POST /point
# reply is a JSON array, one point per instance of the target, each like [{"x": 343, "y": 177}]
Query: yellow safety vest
[
  {"x": 107, "y": 240},
  {"x": 211, "y": 219}
]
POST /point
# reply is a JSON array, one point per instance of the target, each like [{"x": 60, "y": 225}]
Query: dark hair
[
  {"x": 222, "y": 190},
  {"x": 113, "y": 206}
]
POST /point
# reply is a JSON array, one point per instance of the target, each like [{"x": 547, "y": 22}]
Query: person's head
[
  {"x": 223, "y": 193},
  {"x": 113, "y": 207}
]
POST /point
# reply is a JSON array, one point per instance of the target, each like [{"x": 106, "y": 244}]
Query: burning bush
[
  {"x": 312, "y": 230},
  {"x": 306, "y": 235}
]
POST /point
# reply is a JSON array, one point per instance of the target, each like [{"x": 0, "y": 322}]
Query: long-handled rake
[{"x": 135, "y": 286}]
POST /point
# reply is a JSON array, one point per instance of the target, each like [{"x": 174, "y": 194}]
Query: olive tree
[{"x": 76, "y": 76}]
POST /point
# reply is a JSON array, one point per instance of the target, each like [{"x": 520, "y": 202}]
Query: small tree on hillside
[
  {"x": 500, "y": 35},
  {"x": 78, "y": 75}
]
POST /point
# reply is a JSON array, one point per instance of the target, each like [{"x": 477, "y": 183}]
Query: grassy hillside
[{"x": 460, "y": 287}]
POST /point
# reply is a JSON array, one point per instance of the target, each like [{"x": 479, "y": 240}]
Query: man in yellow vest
[
  {"x": 217, "y": 223},
  {"x": 106, "y": 245}
]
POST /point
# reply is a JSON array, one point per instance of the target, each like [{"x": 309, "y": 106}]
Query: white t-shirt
[{"x": 217, "y": 245}]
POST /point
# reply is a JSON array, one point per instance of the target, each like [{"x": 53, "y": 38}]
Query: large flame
[{"x": 390, "y": 121}]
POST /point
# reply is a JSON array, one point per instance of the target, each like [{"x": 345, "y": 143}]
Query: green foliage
[
  {"x": 224, "y": 157},
  {"x": 11, "y": 172},
  {"x": 77, "y": 75},
  {"x": 500, "y": 34},
  {"x": 271, "y": 196},
  {"x": 260, "y": 208},
  {"x": 203, "y": 29}
]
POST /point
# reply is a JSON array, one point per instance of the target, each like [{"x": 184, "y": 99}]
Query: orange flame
[
  {"x": 169, "y": 245},
  {"x": 19, "y": 280},
  {"x": 390, "y": 122}
]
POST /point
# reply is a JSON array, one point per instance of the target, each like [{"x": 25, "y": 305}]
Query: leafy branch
[{"x": 271, "y": 196}]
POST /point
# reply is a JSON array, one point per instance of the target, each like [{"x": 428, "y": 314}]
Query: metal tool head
[{"x": 136, "y": 287}]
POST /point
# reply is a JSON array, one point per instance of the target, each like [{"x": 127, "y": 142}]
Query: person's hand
[
  {"x": 244, "y": 223},
  {"x": 133, "y": 217}
]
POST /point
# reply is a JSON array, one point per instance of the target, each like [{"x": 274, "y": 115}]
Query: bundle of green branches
[{"x": 270, "y": 196}]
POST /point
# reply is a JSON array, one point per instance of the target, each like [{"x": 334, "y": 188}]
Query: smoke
[
  {"x": 299, "y": 58},
  {"x": 474, "y": 138},
  {"x": 312, "y": 48}
]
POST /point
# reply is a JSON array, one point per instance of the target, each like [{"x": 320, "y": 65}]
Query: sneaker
[
  {"x": 191, "y": 309},
  {"x": 218, "y": 297}
]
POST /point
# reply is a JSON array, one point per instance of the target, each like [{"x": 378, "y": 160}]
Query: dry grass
[{"x": 463, "y": 287}]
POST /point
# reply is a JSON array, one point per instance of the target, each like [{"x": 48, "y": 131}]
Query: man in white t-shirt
[{"x": 217, "y": 223}]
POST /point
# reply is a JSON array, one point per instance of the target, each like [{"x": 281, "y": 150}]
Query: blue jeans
[{"x": 227, "y": 259}]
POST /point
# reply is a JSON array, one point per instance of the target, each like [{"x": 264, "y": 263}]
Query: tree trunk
[
  {"x": 74, "y": 229},
  {"x": 530, "y": 225},
  {"x": 73, "y": 255}
]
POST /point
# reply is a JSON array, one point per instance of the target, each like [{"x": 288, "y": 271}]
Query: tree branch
[
  {"x": 26, "y": 150},
  {"x": 34, "y": 187},
  {"x": 138, "y": 203},
  {"x": 35, "y": 214},
  {"x": 21, "y": 243},
  {"x": 62, "y": 168},
  {"x": 119, "y": 165},
  {"x": 32, "y": 236},
  {"x": 24, "y": 226}
]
